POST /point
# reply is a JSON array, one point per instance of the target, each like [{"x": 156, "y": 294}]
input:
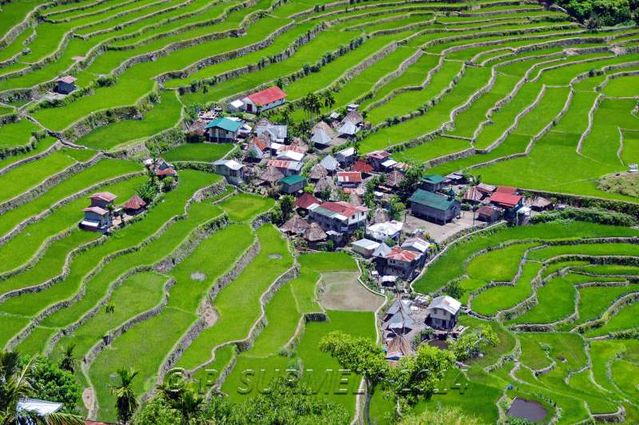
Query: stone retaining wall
[
  {"x": 54, "y": 147},
  {"x": 34, "y": 218},
  {"x": 51, "y": 181},
  {"x": 200, "y": 324}
]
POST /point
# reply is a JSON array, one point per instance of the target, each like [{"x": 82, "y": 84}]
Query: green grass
[
  {"x": 23, "y": 178},
  {"x": 139, "y": 293},
  {"x": 451, "y": 264},
  {"x": 103, "y": 170},
  {"x": 163, "y": 331},
  {"x": 626, "y": 319},
  {"x": 244, "y": 207},
  {"x": 238, "y": 304},
  {"x": 162, "y": 116},
  {"x": 198, "y": 152}
]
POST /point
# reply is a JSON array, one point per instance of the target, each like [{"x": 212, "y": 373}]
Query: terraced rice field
[
  {"x": 566, "y": 304},
  {"x": 508, "y": 90}
]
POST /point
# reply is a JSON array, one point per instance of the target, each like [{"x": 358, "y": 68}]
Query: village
[{"x": 392, "y": 216}]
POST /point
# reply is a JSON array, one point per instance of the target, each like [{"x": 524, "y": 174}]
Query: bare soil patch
[{"x": 342, "y": 291}]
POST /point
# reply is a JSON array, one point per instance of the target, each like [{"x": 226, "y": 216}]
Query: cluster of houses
[
  {"x": 440, "y": 199},
  {"x": 329, "y": 182},
  {"x": 410, "y": 322},
  {"x": 102, "y": 214}
]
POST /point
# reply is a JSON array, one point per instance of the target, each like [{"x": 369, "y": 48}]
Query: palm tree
[
  {"x": 68, "y": 361},
  {"x": 329, "y": 99},
  {"x": 15, "y": 385},
  {"x": 125, "y": 403},
  {"x": 183, "y": 397}
]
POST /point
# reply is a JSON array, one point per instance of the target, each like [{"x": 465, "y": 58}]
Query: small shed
[
  {"x": 348, "y": 129},
  {"x": 541, "y": 204},
  {"x": 349, "y": 178},
  {"x": 322, "y": 135},
  {"x": 102, "y": 199},
  {"x": 365, "y": 247},
  {"x": 66, "y": 84},
  {"x": 473, "y": 195},
  {"x": 306, "y": 201},
  {"x": 417, "y": 245},
  {"x": 296, "y": 225},
  {"x": 270, "y": 176},
  {"x": 315, "y": 235},
  {"x": 489, "y": 213},
  {"x": 385, "y": 230},
  {"x": 292, "y": 184},
  {"x": 432, "y": 182},
  {"x": 362, "y": 167},
  {"x": 318, "y": 172},
  {"x": 330, "y": 164},
  {"x": 346, "y": 157},
  {"x": 135, "y": 205}
]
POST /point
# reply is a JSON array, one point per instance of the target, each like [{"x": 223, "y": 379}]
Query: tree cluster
[
  {"x": 598, "y": 13},
  {"x": 287, "y": 402},
  {"x": 39, "y": 378}
]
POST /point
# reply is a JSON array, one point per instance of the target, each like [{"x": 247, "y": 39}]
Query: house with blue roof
[{"x": 223, "y": 130}]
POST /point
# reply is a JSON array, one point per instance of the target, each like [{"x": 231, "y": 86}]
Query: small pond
[{"x": 527, "y": 409}]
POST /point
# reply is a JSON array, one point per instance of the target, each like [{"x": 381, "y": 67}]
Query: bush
[{"x": 591, "y": 215}]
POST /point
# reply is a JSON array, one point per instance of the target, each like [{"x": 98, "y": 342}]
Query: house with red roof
[
  {"x": 102, "y": 199},
  {"x": 400, "y": 262},
  {"x": 264, "y": 100},
  {"x": 507, "y": 201},
  {"x": 376, "y": 159},
  {"x": 339, "y": 216},
  {"x": 349, "y": 178},
  {"x": 286, "y": 167},
  {"x": 96, "y": 219},
  {"x": 506, "y": 189},
  {"x": 306, "y": 201},
  {"x": 362, "y": 167},
  {"x": 135, "y": 205}
]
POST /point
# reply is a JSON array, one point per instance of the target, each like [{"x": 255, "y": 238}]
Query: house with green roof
[
  {"x": 292, "y": 184},
  {"x": 434, "y": 207},
  {"x": 432, "y": 182},
  {"x": 223, "y": 130}
]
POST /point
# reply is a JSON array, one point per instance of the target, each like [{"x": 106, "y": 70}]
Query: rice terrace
[{"x": 319, "y": 212}]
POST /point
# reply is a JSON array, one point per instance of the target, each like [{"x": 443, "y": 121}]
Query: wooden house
[
  {"x": 97, "y": 219},
  {"x": 135, "y": 205},
  {"x": 349, "y": 179},
  {"x": 102, "y": 199},
  {"x": 223, "y": 130},
  {"x": 434, "y": 207},
  {"x": 232, "y": 170},
  {"x": 443, "y": 312},
  {"x": 292, "y": 184},
  {"x": 432, "y": 182}
]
